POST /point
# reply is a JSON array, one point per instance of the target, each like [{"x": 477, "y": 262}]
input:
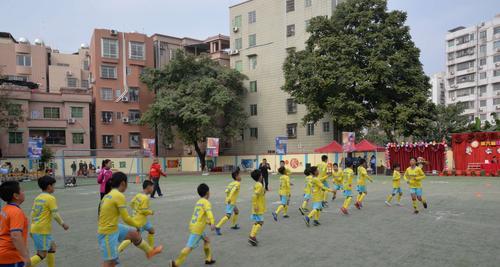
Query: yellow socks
[
  {"x": 347, "y": 202},
  {"x": 151, "y": 240},
  {"x": 312, "y": 214},
  {"x": 318, "y": 213},
  {"x": 208, "y": 251},
  {"x": 144, "y": 246},
  {"x": 361, "y": 197},
  {"x": 182, "y": 257},
  {"x": 124, "y": 245},
  {"x": 325, "y": 196},
  {"x": 235, "y": 219},
  {"x": 399, "y": 197},
  {"x": 222, "y": 222},
  {"x": 36, "y": 260},
  {"x": 304, "y": 204},
  {"x": 51, "y": 259},
  {"x": 285, "y": 210},
  {"x": 279, "y": 209},
  {"x": 389, "y": 198},
  {"x": 414, "y": 202},
  {"x": 255, "y": 230}
]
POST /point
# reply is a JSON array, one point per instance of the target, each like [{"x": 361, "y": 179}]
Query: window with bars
[
  {"x": 51, "y": 113},
  {"x": 252, "y": 17},
  {"x": 465, "y": 65},
  {"x": 134, "y": 115},
  {"x": 108, "y": 72},
  {"x": 136, "y": 50},
  {"x": 78, "y": 138},
  {"x": 291, "y": 130},
  {"x": 291, "y": 106},
  {"x": 134, "y": 140},
  {"x": 253, "y": 110},
  {"x": 465, "y": 78},
  {"x": 133, "y": 94},
  {"x": 109, "y": 48},
  {"x": 72, "y": 82},
  {"x": 76, "y": 112},
  {"x": 107, "y": 117},
  {"x": 310, "y": 129},
  {"x": 107, "y": 141},
  {"x": 290, "y": 30},
  {"x": 85, "y": 84},
  {"x": 290, "y": 5},
  {"x": 308, "y": 3},
  {"x": 106, "y": 94}
]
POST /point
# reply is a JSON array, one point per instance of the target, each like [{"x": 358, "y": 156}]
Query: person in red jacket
[{"x": 154, "y": 174}]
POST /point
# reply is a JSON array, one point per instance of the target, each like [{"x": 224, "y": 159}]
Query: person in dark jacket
[{"x": 264, "y": 168}]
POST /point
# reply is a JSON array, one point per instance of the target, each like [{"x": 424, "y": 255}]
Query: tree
[
  {"x": 10, "y": 113},
  {"x": 45, "y": 157},
  {"x": 361, "y": 67},
  {"x": 196, "y": 98},
  {"x": 449, "y": 119}
]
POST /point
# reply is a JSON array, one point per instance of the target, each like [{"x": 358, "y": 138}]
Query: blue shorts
[
  {"x": 284, "y": 200},
  {"x": 397, "y": 190},
  {"x": 338, "y": 186},
  {"x": 361, "y": 188},
  {"x": 307, "y": 196},
  {"x": 230, "y": 208},
  {"x": 147, "y": 227},
  {"x": 257, "y": 217},
  {"x": 326, "y": 184},
  {"x": 194, "y": 240},
  {"x": 416, "y": 191},
  {"x": 42, "y": 242},
  {"x": 18, "y": 264},
  {"x": 348, "y": 193},
  {"x": 317, "y": 205},
  {"x": 108, "y": 243}
]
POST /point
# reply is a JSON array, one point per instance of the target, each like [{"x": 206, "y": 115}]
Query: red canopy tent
[
  {"x": 333, "y": 147},
  {"x": 366, "y": 146}
]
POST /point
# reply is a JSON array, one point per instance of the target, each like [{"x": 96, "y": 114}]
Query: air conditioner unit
[
  {"x": 498, "y": 93},
  {"x": 497, "y": 65},
  {"x": 481, "y": 110},
  {"x": 69, "y": 73},
  {"x": 452, "y": 73},
  {"x": 236, "y": 29},
  {"x": 125, "y": 119},
  {"x": 234, "y": 52},
  {"x": 480, "y": 67},
  {"x": 114, "y": 32},
  {"x": 125, "y": 99},
  {"x": 497, "y": 107},
  {"x": 170, "y": 146},
  {"x": 71, "y": 121},
  {"x": 453, "y": 98}
]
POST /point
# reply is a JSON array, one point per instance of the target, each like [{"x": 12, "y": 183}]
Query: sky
[{"x": 65, "y": 24}]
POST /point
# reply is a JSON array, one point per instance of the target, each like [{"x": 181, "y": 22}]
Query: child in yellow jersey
[
  {"x": 43, "y": 211},
  {"x": 287, "y": 171},
  {"x": 307, "y": 191},
  {"x": 396, "y": 185},
  {"x": 141, "y": 209},
  {"x": 318, "y": 189},
  {"x": 232, "y": 192},
  {"x": 202, "y": 215},
  {"x": 258, "y": 207},
  {"x": 347, "y": 179},
  {"x": 110, "y": 233},
  {"x": 414, "y": 176},
  {"x": 336, "y": 179},
  {"x": 284, "y": 194},
  {"x": 361, "y": 186},
  {"x": 323, "y": 177}
]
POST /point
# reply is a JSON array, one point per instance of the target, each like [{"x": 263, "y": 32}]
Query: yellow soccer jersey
[
  {"x": 323, "y": 171},
  {"x": 284, "y": 185},
  {"x": 258, "y": 199},
  {"x": 337, "y": 176},
  {"x": 308, "y": 184},
  {"x": 113, "y": 206},
  {"x": 288, "y": 171},
  {"x": 43, "y": 211},
  {"x": 232, "y": 192},
  {"x": 348, "y": 177},
  {"x": 414, "y": 177},
  {"x": 363, "y": 175},
  {"x": 396, "y": 179},
  {"x": 202, "y": 215},
  {"x": 141, "y": 208},
  {"x": 317, "y": 189}
]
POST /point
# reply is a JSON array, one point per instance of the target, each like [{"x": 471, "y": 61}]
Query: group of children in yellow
[{"x": 114, "y": 237}]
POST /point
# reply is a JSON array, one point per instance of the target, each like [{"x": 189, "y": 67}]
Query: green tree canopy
[
  {"x": 449, "y": 119},
  {"x": 360, "y": 66},
  {"x": 196, "y": 98}
]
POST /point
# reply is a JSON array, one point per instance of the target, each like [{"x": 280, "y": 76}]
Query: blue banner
[
  {"x": 35, "y": 148},
  {"x": 281, "y": 145}
]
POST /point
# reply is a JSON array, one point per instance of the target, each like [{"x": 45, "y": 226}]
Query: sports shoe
[
  {"x": 275, "y": 216},
  {"x": 357, "y": 205},
  {"x": 425, "y": 205},
  {"x": 316, "y": 223},
  {"x": 253, "y": 241},
  {"x": 416, "y": 212},
  {"x": 307, "y": 220},
  {"x": 217, "y": 231},
  {"x": 334, "y": 197},
  {"x": 210, "y": 262},
  {"x": 172, "y": 264},
  {"x": 344, "y": 210},
  {"x": 286, "y": 216},
  {"x": 235, "y": 227},
  {"x": 387, "y": 203},
  {"x": 399, "y": 204},
  {"x": 302, "y": 211},
  {"x": 155, "y": 251},
  {"x": 325, "y": 204}
]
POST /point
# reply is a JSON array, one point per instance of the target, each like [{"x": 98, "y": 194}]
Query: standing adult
[
  {"x": 85, "y": 168},
  {"x": 80, "y": 167},
  {"x": 154, "y": 174},
  {"x": 373, "y": 164},
  {"x": 264, "y": 170},
  {"x": 104, "y": 176},
  {"x": 73, "y": 168}
]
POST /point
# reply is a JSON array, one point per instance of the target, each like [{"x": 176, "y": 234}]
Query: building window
[
  {"x": 482, "y": 90},
  {"x": 290, "y": 30},
  {"x": 253, "y": 110},
  {"x": 128, "y": 70},
  {"x": 85, "y": 84},
  {"x": 106, "y": 94},
  {"x": 119, "y": 115},
  {"x": 496, "y": 58},
  {"x": 238, "y": 43},
  {"x": 253, "y": 86},
  {"x": 14, "y": 110},
  {"x": 482, "y": 75},
  {"x": 464, "y": 39},
  {"x": 238, "y": 65},
  {"x": 482, "y": 61},
  {"x": 291, "y": 130},
  {"x": 310, "y": 129},
  {"x": 119, "y": 139},
  {"x": 252, "y": 40},
  {"x": 465, "y": 92},
  {"x": 451, "y": 56},
  {"x": 136, "y": 50},
  {"x": 134, "y": 140},
  {"x": 451, "y": 43},
  {"x": 290, "y": 5},
  {"x": 496, "y": 101},
  {"x": 133, "y": 94},
  {"x": 308, "y": 3},
  {"x": 465, "y": 78},
  {"x": 242, "y": 135},
  {"x": 496, "y": 30},
  {"x": 76, "y": 112},
  {"x": 465, "y": 65},
  {"x": 72, "y": 82},
  {"x": 106, "y": 117},
  {"x": 23, "y": 60},
  {"x": 496, "y": 87},
  {"x": 467, "y": 104},
  {"x": 252, "y": 17},
  {"x": 326, "y": 126},
  {"x": 53, "y": 137},
  {"x": 465, "y": 52},
  {"x": 108, "y": 72},
  {"x": 483, "y": 35},
  {"x": 291, "y": 106},
  {"x": 86, "y": 64},
  {"x": 482, "y": 49},
  {"x": 50, "y": 113},
  {"x": 496, "y": 73},
  {"x": 17, "y": 78},
  {"x": 496, "y": 45},
  {"x": 107, "y": 141},
  {"x": 78, "y": 138},
  {"x": 252, "y": 62},
  {"x": 15, "y": 137},
  {"x": 134, "y": 116},
  {"x": 482, "y": 103},
  {"x": 254, "y": 132},
  {"x": 109, "y": 48},
  {"x": 118, "y": 93},
  {"x": 237, "y": 21}
]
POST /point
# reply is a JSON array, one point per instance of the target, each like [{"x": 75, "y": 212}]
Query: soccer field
[{"x": 460, "y": 228}]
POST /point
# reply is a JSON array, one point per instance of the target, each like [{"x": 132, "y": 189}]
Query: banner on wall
[
  {"x": 212, "y": 147},
  {"x": 149, "y": 147},
  {"x": 348, "y": 141},
  {"x": 172, "y": 163},
  {"x": 281, "y": 145},
  {"x": 35, "y": 145}
]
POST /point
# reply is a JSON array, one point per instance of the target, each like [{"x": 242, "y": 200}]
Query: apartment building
[
  {"x": 438, "y": 81},
  {"x": 261, "y": 33},
  {"x": 473, "y": 68},
  {"x": 69, "y": 70},
  {"x": 117, "y": 60}
]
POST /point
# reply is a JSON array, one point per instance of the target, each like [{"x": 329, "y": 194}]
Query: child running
[
  {"x": 347, "y": 178},
  {"x": 318, "y": 189},
  {"x": 258, "y": 207},
  {"x": 323, "y": 177},
  {"x": 43, "y": 211},
  {"x": 284, "y": 194},
  {"x": 336, "y": 179},
  {"x": 361, "y": 187},
  {"x": 201, "y": 216},
  {"x": 141, "y": 210},
  {"x": 110, "y": 233},
  {"x": 232, "y": 193},
  {"x": 414, "y": 176},
  {"x": 307, "y": 191},
  {"x": 396, "y": 186}
]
